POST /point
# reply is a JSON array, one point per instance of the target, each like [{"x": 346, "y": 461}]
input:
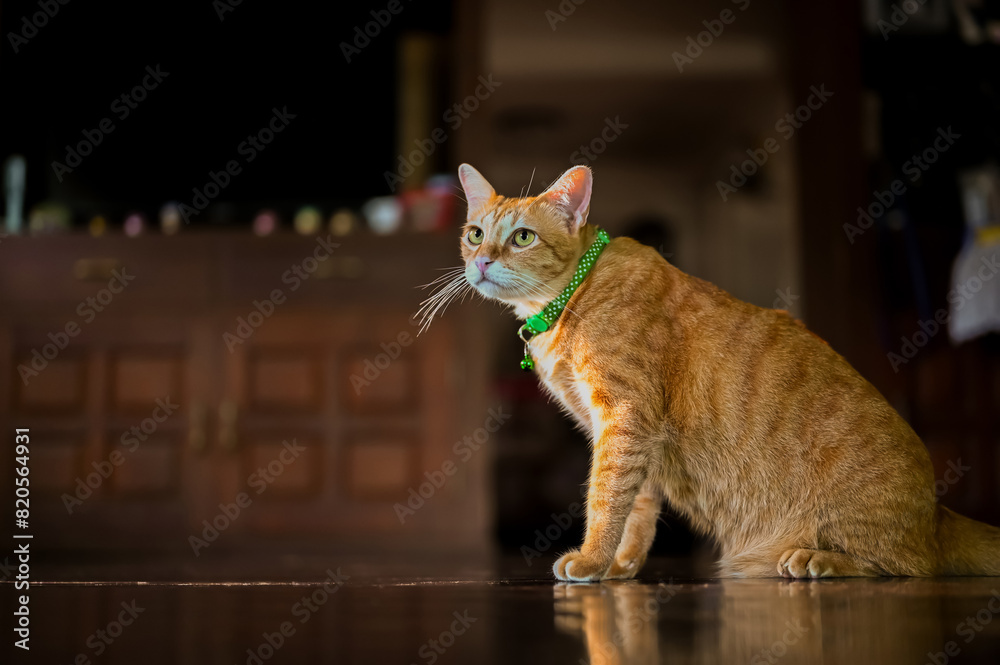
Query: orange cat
[{"x": 751, "y": 426}]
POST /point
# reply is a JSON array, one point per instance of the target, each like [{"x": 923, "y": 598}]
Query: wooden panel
[
  {"x": 139, "y": 377},
  {"x": 380, "y": 466},
  {"x": 288, "y": 467},
  {"x": 375, "y": 382},
  {"x": 151, "y": 469},
  {"x": 284, "y": 379},
  {"x": 57, "y": 389},
  {"x": 57, "y": 460}
]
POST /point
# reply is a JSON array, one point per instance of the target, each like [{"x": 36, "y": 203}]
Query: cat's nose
[{"x": 483, "y": 264}]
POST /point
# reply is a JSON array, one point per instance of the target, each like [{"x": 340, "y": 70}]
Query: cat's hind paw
[
  {"x": 803, "y": 563},
  {"x": 625, "y": 567}
]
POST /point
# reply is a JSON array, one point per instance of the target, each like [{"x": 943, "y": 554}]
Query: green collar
[{"x": 546, "y": 318}]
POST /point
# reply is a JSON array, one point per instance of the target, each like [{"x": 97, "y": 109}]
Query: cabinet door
[
  {"x": 110, "y": 419},
  {"x": 338, "y": 414}
]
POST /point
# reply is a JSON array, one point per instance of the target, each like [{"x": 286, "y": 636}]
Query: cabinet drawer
[
  {"x": 66, "y": 270},
  {"x": 358, "y": 269}
]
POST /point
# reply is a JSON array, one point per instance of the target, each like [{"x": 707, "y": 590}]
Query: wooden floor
[{"x": 313, "y": 609}]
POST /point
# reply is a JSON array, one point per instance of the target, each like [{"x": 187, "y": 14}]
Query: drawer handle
[
  {"x": 341, "y": 267},
  {"x": 95, "y": 270},
  {"x": 228, "y": 416},
  {"x": 196, "y": 427}
]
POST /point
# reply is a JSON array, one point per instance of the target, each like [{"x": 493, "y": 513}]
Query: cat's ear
[
  {"x": 478, "y": 191},
  {"x": 570, "y": 195}
]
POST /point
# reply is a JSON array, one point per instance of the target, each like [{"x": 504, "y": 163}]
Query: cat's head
[{"x": 518, "y": 250}]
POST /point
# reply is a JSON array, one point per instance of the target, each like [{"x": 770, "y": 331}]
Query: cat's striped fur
[{"x": 751, "y": 426}]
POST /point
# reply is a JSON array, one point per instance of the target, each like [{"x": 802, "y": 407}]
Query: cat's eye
[
  {"x": 523, "y": 237},
  {"x": 476, "y": 236}
]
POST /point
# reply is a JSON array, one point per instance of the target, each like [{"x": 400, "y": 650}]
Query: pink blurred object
[{"x": 433, "y": 207}]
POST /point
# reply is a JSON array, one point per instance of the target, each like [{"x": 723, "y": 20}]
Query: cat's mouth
[
  {"x": 498, "y": 287},
  {"x": 491, "y": 288},
  {"x": 486, "y": 281}
]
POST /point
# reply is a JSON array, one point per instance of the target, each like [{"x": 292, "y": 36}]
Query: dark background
[{"x": 225, "y": 76}]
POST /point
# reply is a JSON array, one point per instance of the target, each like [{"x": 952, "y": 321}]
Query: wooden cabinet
[
  {"x": 271, "y": 375},
  {"x": 108, "y": 415}
]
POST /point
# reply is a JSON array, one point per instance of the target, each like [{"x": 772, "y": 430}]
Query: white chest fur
[{"x": 558, "y": 377}]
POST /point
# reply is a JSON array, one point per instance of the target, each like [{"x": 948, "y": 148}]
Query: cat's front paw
[{"x": 575, "y": 567}]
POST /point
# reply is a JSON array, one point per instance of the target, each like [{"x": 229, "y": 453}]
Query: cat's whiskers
[
  {"x": 460, "y": 196},
  {"x": 528, "y": 188},
  {"x": 543, "y": 290},
  {"x": 431, "y": 309},
  {"x": 534, "y": 290},
  {"x": 529, "y": 205},
  {"x": 450, "y": 275},
  {"x": 450, "y": 285}
]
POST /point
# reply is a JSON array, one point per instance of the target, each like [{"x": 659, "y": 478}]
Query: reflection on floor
[{"x": 322, "y": 611}]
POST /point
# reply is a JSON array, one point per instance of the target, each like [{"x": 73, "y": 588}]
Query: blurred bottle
[{"x": 14, "y": 176}]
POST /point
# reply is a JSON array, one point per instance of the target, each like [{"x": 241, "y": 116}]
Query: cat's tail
[{"x": 967, "y": 547}]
